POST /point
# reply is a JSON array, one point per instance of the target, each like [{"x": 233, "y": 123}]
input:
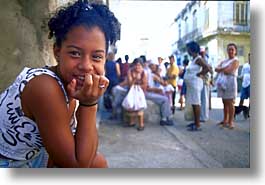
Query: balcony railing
[
  {"x": 189, "y": 37},
  {"x": 236, "y": 28},
  {"x": 233, "y": 25},
  {"x": 197, "y": 33}
]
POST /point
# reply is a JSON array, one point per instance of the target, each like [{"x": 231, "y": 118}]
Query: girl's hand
[{"x": 93, "y": 87}]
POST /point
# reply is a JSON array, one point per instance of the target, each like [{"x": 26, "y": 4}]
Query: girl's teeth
[{"x": 81, "y": 77}]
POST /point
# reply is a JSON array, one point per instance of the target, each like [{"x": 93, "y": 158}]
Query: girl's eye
[
  {"x": 97, "y": 58},
  {"x": 75, "y": 54}
]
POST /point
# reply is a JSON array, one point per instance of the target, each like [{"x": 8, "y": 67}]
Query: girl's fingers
[
  {"x": 103, "y": 84},
  {"x": 88, "y": 84},
  {"x": 95, "y": 90},
  {"x": 71, "y": 88},
  {"x": 93, "y": 87}
]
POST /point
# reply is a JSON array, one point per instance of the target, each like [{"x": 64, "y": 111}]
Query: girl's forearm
[{"x": 86, "y": 138}]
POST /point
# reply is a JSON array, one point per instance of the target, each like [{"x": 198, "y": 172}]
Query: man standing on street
[{"x": 172, "y": 74}]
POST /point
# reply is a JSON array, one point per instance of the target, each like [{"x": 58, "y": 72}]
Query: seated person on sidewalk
[
  {"x": 156, "y": 95},
  {"x": 137, "y": 76}
]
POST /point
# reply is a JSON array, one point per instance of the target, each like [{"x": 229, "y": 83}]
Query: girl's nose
[{"x": 86, "y": 65}]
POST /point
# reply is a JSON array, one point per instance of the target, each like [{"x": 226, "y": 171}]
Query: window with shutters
[{"x": 241, "y": 13}]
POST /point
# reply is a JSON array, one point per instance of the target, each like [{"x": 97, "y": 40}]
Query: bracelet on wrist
[{"x": 87, "y": 105}]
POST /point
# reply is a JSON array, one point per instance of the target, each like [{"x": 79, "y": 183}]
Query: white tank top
[
  {"x": 227, "y": 62},
  {"x": 19, "y": 136},
  {"x": 192, "y": 69}
]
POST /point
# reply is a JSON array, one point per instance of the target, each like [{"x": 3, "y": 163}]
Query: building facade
[{"x": 214, "y": 24}]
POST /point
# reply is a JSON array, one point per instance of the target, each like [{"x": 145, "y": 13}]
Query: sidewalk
[{"x": 175, "y": 147}]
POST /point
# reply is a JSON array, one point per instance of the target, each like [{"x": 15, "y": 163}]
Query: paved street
[{"x": 175, "y": 147}]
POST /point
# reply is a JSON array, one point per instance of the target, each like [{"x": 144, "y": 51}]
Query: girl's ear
[{"x": 56, "y": 52}]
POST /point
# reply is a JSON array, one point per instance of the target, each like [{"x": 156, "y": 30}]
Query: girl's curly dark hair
[{"x": 86, "y": 14}]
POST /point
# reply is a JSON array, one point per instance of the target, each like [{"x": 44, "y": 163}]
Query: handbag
[
  {"x": 135, "y": 99},
  {"x": 221, "y": 81}
]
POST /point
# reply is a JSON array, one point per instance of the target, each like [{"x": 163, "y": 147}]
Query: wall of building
[
  {"x": 212, "y": 46},
  {"x": 215, "y": 34},
  {"x": 24, "y": 38},
  {"x": 225, "y": 13}
]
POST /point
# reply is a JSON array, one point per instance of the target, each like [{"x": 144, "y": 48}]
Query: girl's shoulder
[{"x": 43, "y": 80}]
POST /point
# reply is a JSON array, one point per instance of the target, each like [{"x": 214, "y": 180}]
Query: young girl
[{"x": 38, "y": 109}]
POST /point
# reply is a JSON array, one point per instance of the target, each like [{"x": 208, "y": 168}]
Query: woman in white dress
[{"x": 196, "y": 69}]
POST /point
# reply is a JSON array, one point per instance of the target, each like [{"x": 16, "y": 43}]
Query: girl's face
[
  {"x": 138, "y": 67},
  {"x": 83, "y": 51},
  {"x": 231, "y": 51}
]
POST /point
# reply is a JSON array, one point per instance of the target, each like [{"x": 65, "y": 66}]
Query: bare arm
[
  {"x": 228, "y": 69},
  {"x": 44, "y": 101},
  {"x": 205, "y": 67},
  {"x": 158, "y": 79},
  {"x": 124, "y": 82},
  {"x": 130, "y": 78},
  {"x": 231, "y": 68},
  {"x": 219, "y": 69},
  {"x": 144, "y": 85},
  {"x": 181, "y": 71},
  {"x": 118, "y": 69}
]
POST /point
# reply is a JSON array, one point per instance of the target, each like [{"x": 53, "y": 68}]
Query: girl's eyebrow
[
  {"x": 100, "y": 51},
  {"x": 97, "y": 51},
  {"x": 73, "y": 46}
]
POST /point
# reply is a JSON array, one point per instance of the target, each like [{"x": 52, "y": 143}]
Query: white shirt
[
  {"x": 19, "y": 135},
  {"x": 192, "y": 70},
  {"x": 150, "y": 80},
  {"x": 163, "y": 70},
  {"x": 246, "y": 75},
  {"x": 168, "y": 88}
]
